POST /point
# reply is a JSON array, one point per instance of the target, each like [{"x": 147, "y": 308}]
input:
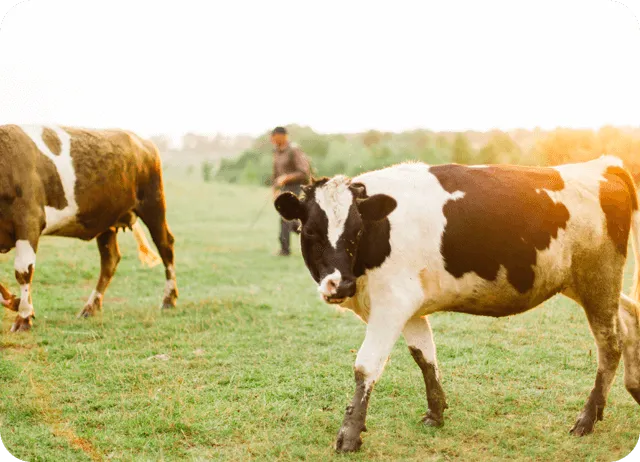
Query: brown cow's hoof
[
  {"x": 348, "y": 440},
  {"x": 170, "y": 300},
  {"x": 90, "y": 309},
  {"x": 584, "y": 425},
  {"x": 432, "y": 420},
  {"x": 22, "y": 324}
]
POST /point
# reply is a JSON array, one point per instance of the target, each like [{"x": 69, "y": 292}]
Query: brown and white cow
[
  {"x": 72, "y": 182},
  {"x": 398, "y": 244}
]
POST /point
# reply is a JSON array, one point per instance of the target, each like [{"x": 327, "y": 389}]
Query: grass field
[{"x": 254, "y": 366}]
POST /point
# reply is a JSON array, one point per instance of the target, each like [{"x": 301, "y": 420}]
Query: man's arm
[{"x": 274, "y": 173}]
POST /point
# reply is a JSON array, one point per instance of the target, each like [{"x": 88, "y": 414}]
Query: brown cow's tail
[
  {"x": 146, "y": 255},
  {"x": 629, "y": 315},
  {"x": 635, "y": 243},
  {"x": 635, "y": 232}
]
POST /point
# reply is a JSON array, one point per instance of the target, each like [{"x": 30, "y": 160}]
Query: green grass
[{"x": 260, "y": 369}]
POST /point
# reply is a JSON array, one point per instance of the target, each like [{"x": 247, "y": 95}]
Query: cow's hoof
[
  {"x": 90, "y": 309},
  {"x": 170, "y": 301},
  {"x": 168, "y": 305},
  {"x": 432, "y": 420},
  {"x": 22, "y": 324},
  {"x": 584, "y": 425},
  {"x": 348, "y": 440}
]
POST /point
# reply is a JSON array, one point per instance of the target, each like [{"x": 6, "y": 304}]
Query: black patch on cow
[
  {"x": 618, "y": 199},
  {"x": 313, "y": 241},
  {"x": 375, "y": 245},
  {"x": 502, "y": 220},
  {"x": 436, "y": 399},
  {"x": 54, "y": 192}
]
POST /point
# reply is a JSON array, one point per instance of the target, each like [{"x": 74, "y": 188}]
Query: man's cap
[{"x": 280, "y": 130}]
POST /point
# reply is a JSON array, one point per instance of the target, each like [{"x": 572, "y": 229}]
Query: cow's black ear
[
  {"x": 289, "y": 207},
  {"x": 376, "y": 207}
]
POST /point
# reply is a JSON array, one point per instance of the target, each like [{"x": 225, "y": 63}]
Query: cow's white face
[{"x": 333, "y": 215}]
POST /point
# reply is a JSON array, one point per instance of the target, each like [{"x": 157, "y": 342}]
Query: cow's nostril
[{"x": 331, "y": 285}]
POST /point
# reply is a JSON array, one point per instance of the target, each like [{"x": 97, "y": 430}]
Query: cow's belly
[
  {"x": 473, "y": 295},
  {"x": 61, "y": 222},
  {"x": 68, "y": 225}
]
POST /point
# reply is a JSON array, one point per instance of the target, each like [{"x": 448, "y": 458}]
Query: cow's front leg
[
  {"x": 25, "y": 264},
  {"x": 417, "y": 333},
  {"x": 382, "y": 333}
]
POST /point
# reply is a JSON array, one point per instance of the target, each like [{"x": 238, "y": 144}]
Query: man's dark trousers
[{"x": 286, "y": 227}]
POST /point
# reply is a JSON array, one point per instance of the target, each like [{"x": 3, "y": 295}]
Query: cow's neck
[{"x": 374, "y": 246}]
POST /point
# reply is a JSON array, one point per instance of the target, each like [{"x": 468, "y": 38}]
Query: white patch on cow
[
  {"x": 169, "y": 287},
  {"x": 26, "y": 308},
  {"x": 95, "y": 295},
  {"x": 335, "y": 199},
  {"x": 329, "y": 284},
  {"x": 56, "y": 219},
  {"x": 25, "y": 256},
  {"x": 456, "y": 195},
  {"x": 25, "y": 259},
  {"x": 391, "y": 308},
  {"x": 417, "y": 332}
]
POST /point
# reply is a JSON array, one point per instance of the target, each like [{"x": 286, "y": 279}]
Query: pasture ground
[{"x": 254, "y": 366}]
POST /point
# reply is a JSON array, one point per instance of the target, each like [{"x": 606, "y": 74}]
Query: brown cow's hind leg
[
  {"x": 153, "y": 215},
  {"x": 109, "y": 259},
  {"x": 8, "y": 300}
]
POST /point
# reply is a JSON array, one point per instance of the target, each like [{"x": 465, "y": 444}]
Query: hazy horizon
[{"x": 243, "y": 68}]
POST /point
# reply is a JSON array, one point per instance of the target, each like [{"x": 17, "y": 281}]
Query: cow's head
[{"x": 333, "y": 213}]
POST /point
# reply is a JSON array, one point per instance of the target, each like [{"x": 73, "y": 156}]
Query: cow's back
[{"x": 84, "y": 180}]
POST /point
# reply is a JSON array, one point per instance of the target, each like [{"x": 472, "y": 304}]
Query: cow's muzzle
[{"x": 335, "y": 290}]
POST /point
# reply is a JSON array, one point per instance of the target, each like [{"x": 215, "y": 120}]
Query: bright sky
[{"x": 243, "y": 66}]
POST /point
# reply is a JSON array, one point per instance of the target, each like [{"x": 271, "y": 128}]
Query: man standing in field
[{"x": 291, "y": 170}]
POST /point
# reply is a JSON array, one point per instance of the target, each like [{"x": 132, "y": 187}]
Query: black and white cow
[{"x": 398, "y": 244}]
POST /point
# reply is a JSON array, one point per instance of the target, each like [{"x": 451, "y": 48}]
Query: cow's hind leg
[
  {"x": 152, "y": 213},
  {"x": 602, "y": 313},
  {"x": 630, "y": 332},
  {"x": 109, "y": 259},
  {"x": 417, "y": 333}
]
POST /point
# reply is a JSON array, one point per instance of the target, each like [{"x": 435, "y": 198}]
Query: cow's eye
[{"x": 308, "y": 232}]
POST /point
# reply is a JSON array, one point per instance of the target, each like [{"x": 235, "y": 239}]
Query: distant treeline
[{"x": 352, "y": 154}]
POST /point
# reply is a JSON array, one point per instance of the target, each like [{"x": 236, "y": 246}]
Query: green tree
[
  {"x": 500, "y": 149},
  {"x": 461, "y": 150}
]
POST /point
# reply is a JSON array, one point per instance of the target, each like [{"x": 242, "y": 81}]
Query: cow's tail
[
  {"x": 145, "y": 253},
  {"x": 629, "y": 311},
  {"x": 630, "y": 305},
  {"x": 635, "y": 243}
]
